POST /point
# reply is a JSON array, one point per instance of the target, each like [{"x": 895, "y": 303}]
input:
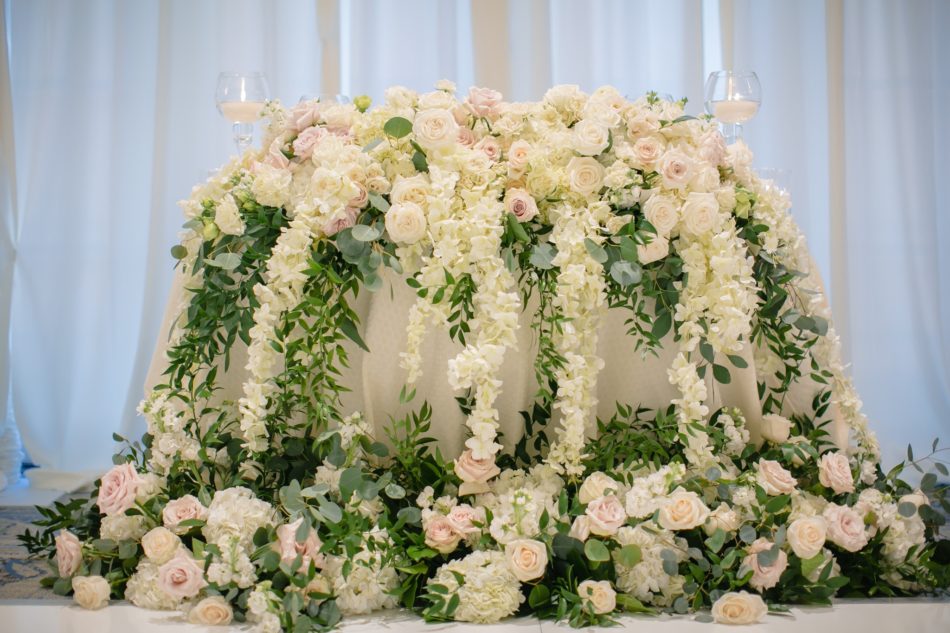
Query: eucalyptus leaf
[
  {"x": 626, "y": 273},
  {"x": 397, "y": 127},
  {"x": 595, "y": 550},
  {"x": 366, "y": 233}
]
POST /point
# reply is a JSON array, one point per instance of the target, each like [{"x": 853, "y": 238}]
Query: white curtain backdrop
[{"x": 111, "y": 107}]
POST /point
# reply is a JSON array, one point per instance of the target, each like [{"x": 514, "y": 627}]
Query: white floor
[{"x": 912, "y": 616}]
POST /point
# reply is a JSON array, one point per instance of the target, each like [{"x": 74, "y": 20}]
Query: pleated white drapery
[{"x": 111, "y": 107}]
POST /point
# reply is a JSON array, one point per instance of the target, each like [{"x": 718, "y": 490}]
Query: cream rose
[
  {"x": 834, "y": 471},
  {"x": 590, "y": 137},
  {"x": 474, "y": 473},
  {"x": 406, "y": 223},
  {"x": 662, "y": 212},
  {"x": 585, "y": 175},
  {"x": 599, "y": 595},
  {"x": 774, "y": 479},
  {"x": 700, "y": 213},
  {"x": 212, "y": 611},
  {"x": 806, "y": 536},
  {"x": 764, "y": 576},
  {"x": 722, "y": 518},
  {"x": 68, "y": 553},
  {"x": 182, "y": 576},
  {"x": 845, "y": 527},
  {"x": 606, "y": 515},
  {"x": 118, "y": 488},
  {"x": 775, "y": 428},
  {"x": 682, "y": 510},
  {"x": 580, "y": 529},
  {"x": 656, "y": 250},
  {"x": 527, "y": 559},
  {"x": 91, "y": 592},
  {"x": 490, "y": 147},
  {"x": 521, "y": 203},
  {"x": 597, "y": 485},
  {"x": 435, "y": 129},
  {"x": 676, "y": 169},
  {"x": 183, "y": 509},
  {"x": 739, "y": 607},
  {"x": 441, "y": 535},
  {"x": 518, "y": 156},
  {"x": 308, "y": 549},
  {"x": 160, "y": 544}
]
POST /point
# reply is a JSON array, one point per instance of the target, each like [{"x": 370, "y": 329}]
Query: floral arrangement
[{"x": 283, "y": 509}]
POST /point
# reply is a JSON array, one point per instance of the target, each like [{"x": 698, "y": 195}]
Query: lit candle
[
  {"x": 242, "y": 111},
  {"x": 735, "y": 111}
]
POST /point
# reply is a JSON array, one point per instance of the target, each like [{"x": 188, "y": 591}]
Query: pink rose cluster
[{"x": 443, "y": 533}]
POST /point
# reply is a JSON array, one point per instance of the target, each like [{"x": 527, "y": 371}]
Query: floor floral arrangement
[{"x": 284, "y": 510}]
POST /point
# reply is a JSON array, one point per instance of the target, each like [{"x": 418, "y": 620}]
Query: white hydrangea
[
  {"x": 368, "y": 585},
  {"x": 489, "y": 592},
  {"x": 120, "y": 527},
  {"x": 647, "y": 581},
  {"x": 234, "y": 515}
]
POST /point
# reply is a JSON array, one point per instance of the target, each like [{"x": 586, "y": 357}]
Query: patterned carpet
[{"x": 19, "y": 575}]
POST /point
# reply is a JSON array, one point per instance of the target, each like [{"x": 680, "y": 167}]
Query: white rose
[
  {"x": 722, "y": 518},
  {"x": 527, "y": 559},
  {"x": 683, "y": 510},
  {"x": 585, "y": 175},
  {"x": 413, "y": 190},
  {"x": 406, "y": 223},
  {"x": 160, "y": 544},
  {"x": 91, "y": 592},
  {"x": 654, "y": 251},
  {"x": 596, "y": 485},
  {"x": 834, "y": 471},
  {"x": 212, "y": 611},
  {"x": 739, "y": 607},
  {"x": 918, "y": 498},
  {"x": 675, "y": 169},
  {"x": 700, "y": 213},
  {"x": 435, "y": 129},
  {"x": 590, "y": 137},
  {"x": 845, "y": 527},
  {"x": 606, "y": 515},
  {"x": 774, "y": 479},
  {"x": 599, "y": 595},
  {"x": 775, "y": 428},
  {"x": 662, "y": 212},
  {"x": 806, "y": 536}
]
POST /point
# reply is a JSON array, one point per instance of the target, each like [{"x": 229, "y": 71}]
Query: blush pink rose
[
  {"x": 834, "y": 471},
  {"x": 521, "y": 204},
  {"x": 68, "y": 553},
  {"x": 305, "y": 114},
  {"x": 361, "y": 199},
  {"x": 606, "y": 515},
  {"x": 275, "y": 156},
  {"x": 490, "y": 147},
  {"x": 305, "y": 142},
  {"x": 182, "y": 576},
  {"x": 466, "y": 137},
  {"x": 183, "y": 509},
  {"x": 118, "y": 488},
  {"x": 347, "y": 220},
  {"x": 764, "y": 576},
  {"x": 441, "y": 535},
  {"x": 484, "y": 102},
  {"x": 774, "y": 479},
  {"x": 474, "y": 473},
  {"x": 580, "y": 529},
  {"x": 289, "y": 547},
  {"x": 463, "y": 518},
  {"x": 845, "y": 527}
]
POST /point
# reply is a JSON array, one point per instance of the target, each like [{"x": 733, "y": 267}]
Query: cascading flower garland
[{"x": 275, "y": 505}]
